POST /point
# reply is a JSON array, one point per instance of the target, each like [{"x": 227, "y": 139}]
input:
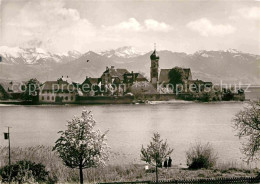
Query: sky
[{"x": 180, "y": 25}]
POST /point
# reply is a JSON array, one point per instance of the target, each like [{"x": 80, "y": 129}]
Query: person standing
[
  {"x": 165, "y": 164},
  {"x": 169, "y": 162}
]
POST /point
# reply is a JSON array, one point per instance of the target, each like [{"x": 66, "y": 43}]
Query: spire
[{"x": 154, "y": 55}]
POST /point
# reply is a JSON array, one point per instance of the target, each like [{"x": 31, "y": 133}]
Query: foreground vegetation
[
  {"x": 82, "y": 147},
  {"x": 58, "y": 172}
]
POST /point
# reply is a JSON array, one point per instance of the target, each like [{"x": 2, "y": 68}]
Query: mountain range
[{"x": 228, "y": 66}]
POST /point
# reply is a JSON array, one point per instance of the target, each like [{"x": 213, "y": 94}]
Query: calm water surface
[{"x": 130, "y": 126}]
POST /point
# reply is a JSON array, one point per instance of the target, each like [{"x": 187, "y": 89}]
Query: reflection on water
[{"x": 130, "y": 126}]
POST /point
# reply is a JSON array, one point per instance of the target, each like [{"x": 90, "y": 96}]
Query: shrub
[
  {"x": 201, "y": 156},
  {"x": 3, "y": 94},
  {"x": 228, "y": 95},
  {"x": 24, "y": 171}
]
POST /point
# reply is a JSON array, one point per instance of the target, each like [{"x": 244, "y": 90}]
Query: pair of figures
[{"x": 167, "y": 162}]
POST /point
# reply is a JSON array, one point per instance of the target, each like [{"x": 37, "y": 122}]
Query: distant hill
[{"x": 230, "y": 66}]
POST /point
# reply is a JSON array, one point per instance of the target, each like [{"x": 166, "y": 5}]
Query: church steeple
[
  {"x": 154, "y": 70},
  {"x": 154, "y": 55}
]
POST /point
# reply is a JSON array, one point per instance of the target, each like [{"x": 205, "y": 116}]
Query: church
[{"x": 161, "y": 76}]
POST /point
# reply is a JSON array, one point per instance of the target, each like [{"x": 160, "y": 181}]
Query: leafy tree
[
  {"x": 206, "y": 96},
  {"x": 32, "y": 86},
  {"x": 176, "y": 76},
  {"x": 24, "y": 171},
  {"x": 80, "y": 146},
  {"x": 247, "y": 122},
  {"x": 228, "y": 94},
  {"x": 156, "y": 152}
]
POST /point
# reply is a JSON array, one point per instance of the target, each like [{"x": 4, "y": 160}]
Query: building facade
[
  {"x": 113, "y": 75},
  {"x": 161, "y": 81},
  {"x": 131, "y": 78},
  {"x": 91, "y": 86},
  {"x": 57, "y": 92}
]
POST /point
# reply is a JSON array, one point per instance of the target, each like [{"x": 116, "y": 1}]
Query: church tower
[{"x": 154, "y": 70}]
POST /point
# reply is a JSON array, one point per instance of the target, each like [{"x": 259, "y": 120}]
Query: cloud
[
  {"x": 133, "y": 25},
  {"x": 250, "y": 13},
  {"x": 206, "y": 28},
  {"x": 48, "y": 24},
  {"x": 53, "y": 26},
  {"x": 154, "y": 25}
]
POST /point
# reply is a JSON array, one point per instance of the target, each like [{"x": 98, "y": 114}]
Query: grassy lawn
[{"x": 116, "y": 173}]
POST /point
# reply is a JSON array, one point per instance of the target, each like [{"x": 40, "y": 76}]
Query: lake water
[
  {"x": 130, "y": 126},
  {"x": 253, "y": 93}
]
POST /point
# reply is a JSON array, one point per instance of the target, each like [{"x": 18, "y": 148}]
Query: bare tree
[
  {"x": 156, "y": 152},
  {"x": 80, "y": 146},
  {"x": 247, "y": 122}
]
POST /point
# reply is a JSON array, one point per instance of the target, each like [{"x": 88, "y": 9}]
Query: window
[
  {"x": 71, "y": 98},
  {"x": 42, "y": 97},
  {"x": 52, "y": 98},
  {"x": 66, "y": 98},
  {"x": 48, "y": 98}
]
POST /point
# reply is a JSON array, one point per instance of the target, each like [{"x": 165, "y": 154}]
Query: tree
[
  {"x": 24, "y": 171},
  {"x": 80, "y": 146},
  {"x": 156, "y": 152},
  {"x": 3, "y": 94},
  {"x": 31, "y": 89},
  {"x": 201, "y": 156},
  {"x": 176, "y": 76},
  {"x": 247, "y": 122},
  {"x": 228, "y": 94}
]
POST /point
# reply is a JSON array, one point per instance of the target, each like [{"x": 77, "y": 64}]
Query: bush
[
  {"x": 228, "y": 95},
  {"x": 24, "y": 171},
  {"x": 201, "y": 156},
  {"x": 3, "y": 94}
]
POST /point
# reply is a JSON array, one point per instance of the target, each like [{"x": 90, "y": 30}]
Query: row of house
[
  {"x": 115, "y": 76},
  {"x": 112, "y": 82}
]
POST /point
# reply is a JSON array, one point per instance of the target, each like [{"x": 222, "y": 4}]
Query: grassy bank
[{"x": 130, "y": 172}]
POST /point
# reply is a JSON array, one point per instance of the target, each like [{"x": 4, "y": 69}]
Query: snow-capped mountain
[
  {"x": 16, "y": 55},
  {"x": 233, "y": 51},
  {"x": 74, "y": 54},
  {"x": 229, "y": 66},
  {"x": 122, "y": 52},
  {"x": 232, "y": 55}
]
